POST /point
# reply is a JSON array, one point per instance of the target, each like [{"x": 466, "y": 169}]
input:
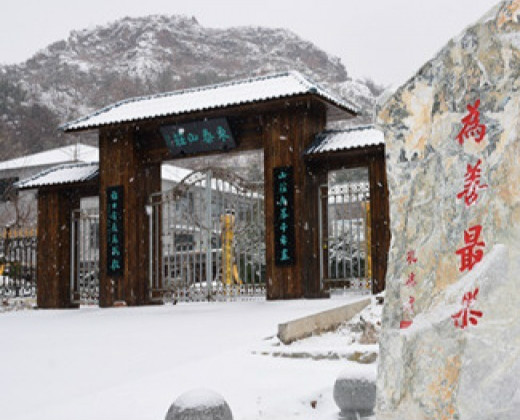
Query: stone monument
[{"x": 450, "y": 347}]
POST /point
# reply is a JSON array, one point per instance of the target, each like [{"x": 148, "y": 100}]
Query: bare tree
[{"x": 19, "y": 209}]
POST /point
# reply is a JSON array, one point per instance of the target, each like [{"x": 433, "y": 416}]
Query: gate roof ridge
[{"x": 217, "y": 96}]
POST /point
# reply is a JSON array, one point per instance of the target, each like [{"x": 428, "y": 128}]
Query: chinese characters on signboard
[
  {"x": 198, "y": 136},
  {"x": 473, "y": 250},
  {"x": 284, "y": 215},
  {"x": 115, "y": 248}
]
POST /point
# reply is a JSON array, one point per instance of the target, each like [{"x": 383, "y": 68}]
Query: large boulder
[
  {"x": 453, "y": 141},
  {"x": 199, "y": 404}
]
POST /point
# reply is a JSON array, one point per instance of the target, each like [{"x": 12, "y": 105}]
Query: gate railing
[
  {"x": 344, "y": 214},
  {"x": 84, "y": 265},
  {"x": 208, "y": 239},
  {"x": 18, "y": 248}
]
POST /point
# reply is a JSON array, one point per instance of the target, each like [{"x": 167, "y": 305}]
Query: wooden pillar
[
  {"x": 121, "y": 163},
  {"x": 54, "y": 247},
  {"x": 380, "y": 220},
  {"x": 312, "y": 243},
  {"x": 287, "y": 134}
]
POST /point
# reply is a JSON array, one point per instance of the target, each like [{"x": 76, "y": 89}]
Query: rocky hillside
[{"x": 137, "y": 56}]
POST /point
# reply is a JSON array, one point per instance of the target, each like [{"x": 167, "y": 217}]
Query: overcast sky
[{"x": 387, "y": 40}]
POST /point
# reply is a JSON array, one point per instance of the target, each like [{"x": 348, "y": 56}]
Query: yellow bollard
[
  {"x": 227, "y": 222},
  {"x": 229, "y": 269}
]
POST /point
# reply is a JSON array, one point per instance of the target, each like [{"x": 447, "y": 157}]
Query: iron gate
[
  {"x": 85, "y": 257},
  {"x": 344, "y": 215},
  {"x": 208, "y": 239},
  {"x": 18, "y": 248}
]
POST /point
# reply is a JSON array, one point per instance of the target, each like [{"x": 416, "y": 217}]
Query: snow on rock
[
  {"x": 199, "y": 398},
  {"x": 460, "y": 358},
  {"x": 359, "y": 372},
  {"x": 199, "y": 404}
]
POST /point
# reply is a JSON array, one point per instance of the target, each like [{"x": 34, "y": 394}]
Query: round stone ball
[
  {"x": 199, "y": 404},
  {"x": 355, "y": 391}
]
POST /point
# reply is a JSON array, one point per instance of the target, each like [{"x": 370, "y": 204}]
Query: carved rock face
[{"x": 452, "y": 142}]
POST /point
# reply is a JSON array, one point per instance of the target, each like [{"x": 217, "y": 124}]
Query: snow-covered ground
[{"x": 131, "y": 363}]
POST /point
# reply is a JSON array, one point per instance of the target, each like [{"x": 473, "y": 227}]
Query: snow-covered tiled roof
[
  {"x": 240, "y": 92},
  {"x": 352, "y": 138},
  {"x": 81, "y": 172},
  {"x": 73, "y": 153},
  {"x": 63, "y": 174}
]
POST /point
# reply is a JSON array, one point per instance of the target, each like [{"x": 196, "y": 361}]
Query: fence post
[
  {"x": 209, "y": 262},
  {"x": 149, "y": 212}
]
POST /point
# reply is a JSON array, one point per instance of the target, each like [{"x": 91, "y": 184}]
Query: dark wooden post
[
  {"x": 54, "y": 247},
  {"x": 311, "y": 262},
  {"x": 121, "y": 164},
  {"x": 287, "y": 134},
  {"x": 380, "y": 220}
]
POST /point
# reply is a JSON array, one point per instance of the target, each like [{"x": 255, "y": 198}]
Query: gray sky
[{"x": 387, "y": 40}]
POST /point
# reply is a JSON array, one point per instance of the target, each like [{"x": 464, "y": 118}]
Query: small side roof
[
  {"x": 71, "y": 173},
  {"x": 351, "y": 138},
  {"x": 241, "y": 92}
]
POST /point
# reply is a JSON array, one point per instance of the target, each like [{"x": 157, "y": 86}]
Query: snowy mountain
[{"x": 137, "y": 56}]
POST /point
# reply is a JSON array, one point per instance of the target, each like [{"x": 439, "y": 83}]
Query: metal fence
[
  {"x": 208, "y": 239},
  {"x": 345, "y": 236},
  {"x": 85, "y": 257},
  {"x": 18, "y": 262}
]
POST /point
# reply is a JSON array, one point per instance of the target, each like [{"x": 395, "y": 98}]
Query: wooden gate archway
[{"x": 281, "y": 114}]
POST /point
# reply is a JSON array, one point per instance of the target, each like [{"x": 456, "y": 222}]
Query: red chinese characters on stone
[
  {"x": 471, "y": 184},
  {"x": 408, "y": 307},
  {"x": 466, "y": 313},
  {"x": 410, "y": 257},
  {"x": 471, "y": 125},
  {"x": 470, "y": 255},
  {"x": 410, "y": 282}
]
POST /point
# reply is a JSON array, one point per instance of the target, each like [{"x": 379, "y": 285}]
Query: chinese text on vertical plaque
[
  {"x": 283, "y": 215},
  {"x": 115, "y": 259}
]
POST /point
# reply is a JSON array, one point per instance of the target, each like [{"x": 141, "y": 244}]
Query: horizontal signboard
[{"x": 198, "y": 137}]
